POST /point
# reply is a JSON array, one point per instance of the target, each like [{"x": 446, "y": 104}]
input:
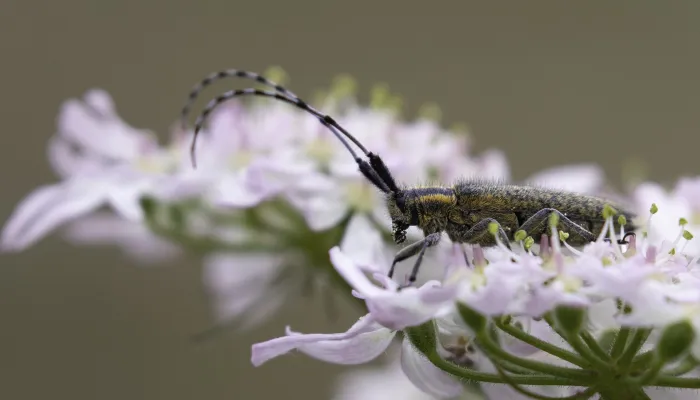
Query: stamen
[
  {"x": 544, "y": 246},
  {"x": 493, "y": 228}
]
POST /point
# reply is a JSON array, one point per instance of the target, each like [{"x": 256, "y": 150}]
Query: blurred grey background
[{"x": 549, "y": 82}]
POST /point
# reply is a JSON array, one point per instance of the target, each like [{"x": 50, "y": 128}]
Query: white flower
[
  {"x": 378, "y": 383},
  {"x": 243, "y": 287},
  {"x": 388, "y": 306},
  {"x": 681, "y": 202},
  {"x": 103, "y": 161},
  {"x": 363, "y": 342},
  {"x": 134, "y": 238}
]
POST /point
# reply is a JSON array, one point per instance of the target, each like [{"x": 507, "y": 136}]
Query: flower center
[
  {"x": 320, "y": 150},
  {"x": 240, "y": 160},
  {"x": 570, "y": 284},
  {"x": 360, "y": 196}
]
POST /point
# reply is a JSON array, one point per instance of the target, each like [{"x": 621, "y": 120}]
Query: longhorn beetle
[{"x": 464, "y": 210}]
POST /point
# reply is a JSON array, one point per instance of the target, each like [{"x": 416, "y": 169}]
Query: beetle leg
[
  {"x": 411, "y": 250},
  {"x": 480, "y": 234},
  {"x": 538, "y": 224}
]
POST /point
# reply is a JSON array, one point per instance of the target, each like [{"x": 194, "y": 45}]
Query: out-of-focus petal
[
  {"x": 377, "y": 383},
  {"x": 583, "y": 178},
  {"x": 94, "y": 126},
  {"x": 47, "y": 208},
  {"x": 365, "y": 244},
  {"x": 426, "y": 376},
  {"x": 132, "y": 237}
]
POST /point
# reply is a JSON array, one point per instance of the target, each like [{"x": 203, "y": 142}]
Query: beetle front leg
[{"x": 411, "y": 250}]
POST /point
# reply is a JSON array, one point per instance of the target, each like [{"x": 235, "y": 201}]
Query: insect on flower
[{"x": 466, "y": 211}]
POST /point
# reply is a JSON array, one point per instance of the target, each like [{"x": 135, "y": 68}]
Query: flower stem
[
  {"x": 684, "y": 367},
  {"x": 594, "y": 345},
  {"x": 638, "y": 339},
  {"x": 496, "y": 353},
  {"x": 652, "y": 373},
  {"x": 547, "y": 347},
  {"x": 676, "y": 382},
  {"x": 586, "y": 394},
  {"x": 577, "y": 343},
  {"x": 620, "y": 342},
  {"x": 469, "y": 374}
]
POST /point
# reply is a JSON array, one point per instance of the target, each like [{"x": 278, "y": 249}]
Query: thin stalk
[
  {"x": 494, "y": 351},
  {"x": 547, "y": 347}
]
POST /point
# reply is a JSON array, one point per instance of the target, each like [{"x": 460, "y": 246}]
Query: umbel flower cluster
[{"x": 274, "y": 192}]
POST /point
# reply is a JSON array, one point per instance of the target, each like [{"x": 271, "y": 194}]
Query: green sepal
[{"x": 422, "y": 337}]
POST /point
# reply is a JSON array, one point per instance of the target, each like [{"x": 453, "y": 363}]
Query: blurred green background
[{"x": 549, "y": 82}]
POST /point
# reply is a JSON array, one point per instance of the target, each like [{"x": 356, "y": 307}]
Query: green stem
[
  {"x": 493, "y": 351},
  {"x": 547, "y": 347},
  {"x": 638, "y": 339},
  {"x": 652, "y": 373},
  {"x": 594, "y": 345},
  {"x": 468, "y": 374},
  {"x": 676, "y": 382},
  {"x": 579, "y": 396},
  {"x": 682, "y": 368},
  {"x": 620, "y": 342},
  {"x": 577, "y": 343}
]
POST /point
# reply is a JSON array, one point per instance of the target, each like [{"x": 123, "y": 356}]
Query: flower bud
[
  {"x": 569, "y": 318},
  {"x": 675, "y": 340}
]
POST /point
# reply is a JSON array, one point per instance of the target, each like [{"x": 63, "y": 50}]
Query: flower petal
[
  {"x": 426, "y": 376},
  {"x": 364, "y": 334},
  {"x": 582, "y": 178},
  {"x": 364, "y": 242},
  {"x": 48, "y": 207},
  {"x": 391, "y": 308}
]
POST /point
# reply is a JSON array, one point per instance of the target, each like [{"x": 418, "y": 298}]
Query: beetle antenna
[{"x": 375, "y": 171}]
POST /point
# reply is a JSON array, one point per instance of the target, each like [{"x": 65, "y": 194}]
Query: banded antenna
[{"x": 375, "y": 171}]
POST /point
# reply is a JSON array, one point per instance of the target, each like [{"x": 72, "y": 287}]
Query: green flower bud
[
  {"x": 569, "y": 318},
  {"x": 654, "y": 209},
  {"x": 687, "y": 235},
  {"x": 675, "y": 340}
]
